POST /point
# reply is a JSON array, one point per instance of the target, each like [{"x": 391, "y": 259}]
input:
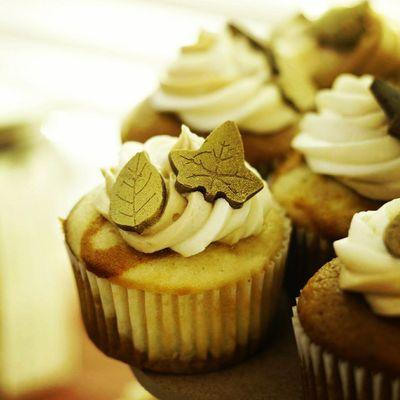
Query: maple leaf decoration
[
  {"x": 392, "y": 237},
  {"x": 388, "y": 97},
  {"x": 256, "y": 42},
  {"x": 217, "y": 169},
  {"x": 138, "y": 196}
]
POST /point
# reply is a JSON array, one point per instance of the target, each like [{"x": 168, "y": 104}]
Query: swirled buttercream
[
  {"x": 222, "y": 77},
  {"x": 368, "y": 266},
  {"x": 189, "y": 223},
  {"x": 348, "y": 139}
]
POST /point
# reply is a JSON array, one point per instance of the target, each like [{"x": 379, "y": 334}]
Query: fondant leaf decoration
[
  {"x": 256, "y": 42},
  {"x": 392, "y": 237},
  {"x": 217, "y": 169},
  {"x": 388, "y": 97},
  {"x": 394, "y": 127},
  {"x": 240, "y": 31},
  {"x": 138, "y": 196}
]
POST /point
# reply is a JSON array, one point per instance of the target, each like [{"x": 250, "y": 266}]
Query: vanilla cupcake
[
  {"x": 179, "y": 255},
  {"x": 351, "y": 147},
  {"x": 353, "y": 40},
  {"x": 347, "y": 321},
  {"x": 221, "y": 77}
]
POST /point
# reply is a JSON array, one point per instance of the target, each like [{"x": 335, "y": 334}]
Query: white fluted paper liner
[
  {"x": 326, "y": 376},
  {"x": 180, "y": 333},
  {"x": 308, "y": 252}
]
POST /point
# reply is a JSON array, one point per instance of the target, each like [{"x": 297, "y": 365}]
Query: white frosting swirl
[
  {"x": 189, "y": 223},
  {"x": 223, "y": 78},
  {"x": 368, "y": 266},
  {"x": 348, "y": 139}
]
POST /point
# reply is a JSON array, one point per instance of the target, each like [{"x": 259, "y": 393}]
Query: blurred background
[{"x": 69, "y": 72}]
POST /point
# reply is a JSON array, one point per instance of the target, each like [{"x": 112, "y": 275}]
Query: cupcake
[
  {"x": 352, "y": 164},
  {"x": 353, "y": 40},
  {"x": 223, "y": 76},
  {"x": 347, "y": 321},
  {"x": 179, "y": 255}
]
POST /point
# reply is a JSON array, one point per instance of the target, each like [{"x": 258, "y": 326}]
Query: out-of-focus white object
[
  {"x": 134, "y": 391},
  {"x": 90, "y": 137},
  {"x": 20, "y": 112},
  {"x": 18, "y": 107},
  {"x": 38, "y": 334}
]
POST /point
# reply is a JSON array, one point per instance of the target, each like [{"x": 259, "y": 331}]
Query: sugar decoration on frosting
[
  {"x": 217, "y": 169},
  {"x": 256, "y": 42},
  {"x": 138, "y": 196},
  {"x": 392, "y": 237},
  {"x": 388, "y": 97}
]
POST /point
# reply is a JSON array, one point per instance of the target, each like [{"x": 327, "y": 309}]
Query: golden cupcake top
[
  {"x": 353, "y": 39},
  {"x": 184, "y": 193},
  {"x": 224, "y": 76},
  {"x": 194, "y": 243}
]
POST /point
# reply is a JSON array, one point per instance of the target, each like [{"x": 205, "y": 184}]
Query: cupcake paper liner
[
  {"x": 180, "y": 333},
  {"x": 326, "y": 376},
  {"x": 308, "y": 252}
]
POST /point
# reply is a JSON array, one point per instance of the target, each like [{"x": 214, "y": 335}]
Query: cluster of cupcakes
[{"x": 180, "y": 255}]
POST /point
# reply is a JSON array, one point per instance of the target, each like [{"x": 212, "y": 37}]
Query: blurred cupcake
[
  {"x": 179, "y": 256},
  {"x": 353, "y": 39},
  {"x": 347, "y": 322},
  {"x": 352, "y": 164},
  {"x": 221, "y": 77}
]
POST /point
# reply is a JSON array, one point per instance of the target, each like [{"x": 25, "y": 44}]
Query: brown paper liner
[
  {"x": 308, "y": 252},
  {"x": 180, "y": 333},
  {"x": 325, "y": 376}
]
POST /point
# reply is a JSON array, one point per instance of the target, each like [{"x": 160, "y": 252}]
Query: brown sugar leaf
[
  {"x": 138, "y": 196},
  {"x": 256, "y": 42},
  {"x": 217, "y": 169},
  {"x": 392, "y": 237},
  {"x": 388, "y": 97}
]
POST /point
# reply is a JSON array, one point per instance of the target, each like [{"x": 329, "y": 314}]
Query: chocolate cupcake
[
  {"x": 347, "y": 321},
  {"x": 179, "y": 256},
  {"x": 352, "y": 163},
  {"x": 222, "y": 77}
]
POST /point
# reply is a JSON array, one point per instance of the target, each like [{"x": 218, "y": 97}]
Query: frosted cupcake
[
  {"x": 351, "y": 148},
  {"x": 353, "y": 40},
  {"x": 347, "y": 322},
  {"x": 221, "y": 77},
  {"x": 179, "y": 256}
]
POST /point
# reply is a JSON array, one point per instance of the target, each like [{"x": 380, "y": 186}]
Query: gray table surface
[{"x": 272, "y": 374}]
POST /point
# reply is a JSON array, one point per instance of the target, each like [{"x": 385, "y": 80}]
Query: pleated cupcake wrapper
[
  {"x": 327, "y": 377},
  {"x": 308, "y": 252},
  {"x": 180, "y": 333}
]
